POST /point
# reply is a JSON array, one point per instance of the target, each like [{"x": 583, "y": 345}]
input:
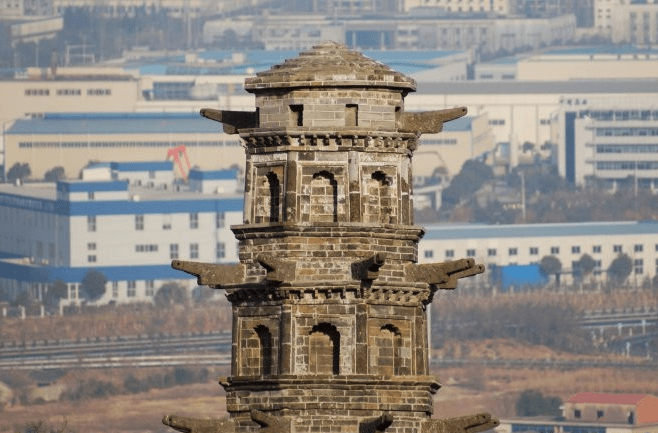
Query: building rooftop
[
  {"x": 602, "y": 398},
  {"x": 329, "y": 64},
  {"x": 116, "y": 123},
  {"x": 539, "y": 87},
  {"x": 226, "y": 62},
  {"x": 478, "y": 231}
]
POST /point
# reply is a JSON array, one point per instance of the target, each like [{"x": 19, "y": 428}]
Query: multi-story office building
[
  {"x": 634, "y": 22},
  {"x": 130, "y": 233},
  {"x": 499, "y": 246},
  {"x": 609, "y": 141}
]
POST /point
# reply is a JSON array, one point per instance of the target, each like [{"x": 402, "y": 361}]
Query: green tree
[
  {"x": 25, "y": 299},
  {"x": 533, "y": 403},
  {"x": 93, "y": 285},
  {"x": 56, "y": 292},
  {"x": 19, "y": 171},
  {"x": 170, "y": 294},
  {"x": 551, "y": 265},
  {"x": 620, "y": 268},
  {"x": 54, "y": 174},
  {"x": 470, "y": 178},
  {"x": 586, "y": 264}
]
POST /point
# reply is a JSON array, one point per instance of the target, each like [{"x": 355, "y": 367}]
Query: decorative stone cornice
[
  {"x": 329, "y": 140},
  {"x": 286, "y": 229}
]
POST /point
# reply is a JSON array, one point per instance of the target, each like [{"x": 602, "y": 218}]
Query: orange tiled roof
[{"x": 601, "y": 398}]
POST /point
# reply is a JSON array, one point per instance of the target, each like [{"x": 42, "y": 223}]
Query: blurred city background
[{"x": 108, "y": 173}]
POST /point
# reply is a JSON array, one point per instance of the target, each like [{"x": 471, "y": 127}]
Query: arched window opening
[
  {"x": 324, "y": 349},
  {"x": 275, "y": 191},
  {"x": 380, "y": 199},
  {"x": 324, "y": 198},
  {"x": 388, "y": 345},
  {"x": 265, "y": 343}
]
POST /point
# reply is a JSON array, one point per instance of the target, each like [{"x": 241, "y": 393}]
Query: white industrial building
[
  {"x": 608, "y": 141},
  {"x": 128, "y": 232},
  {"x": 517, "y": 249}
]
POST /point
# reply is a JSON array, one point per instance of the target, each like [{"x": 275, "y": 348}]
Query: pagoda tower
[{"x": 329, "y": 321}]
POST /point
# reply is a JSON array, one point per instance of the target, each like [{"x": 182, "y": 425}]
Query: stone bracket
[
  {"x": 428, "y": 122},
  {"x": 368, "y": 269},
  {"x": 210, "y": 274},
  {"x": 443, "y": 275},
  {"x": 376, "y": 425},
  {"x": 463, "y": 424},
  {"x": 272, "y": 424},
  {"x": 232, "y": 120},
  {"x": 278, "y": 271},
  {"x": 196, "y": 425}
]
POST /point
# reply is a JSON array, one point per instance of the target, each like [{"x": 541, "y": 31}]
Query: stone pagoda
[{"x": 329, "y": 305}]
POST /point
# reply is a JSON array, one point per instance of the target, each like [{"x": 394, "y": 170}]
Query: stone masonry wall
[{"x": 330, "y": 108}]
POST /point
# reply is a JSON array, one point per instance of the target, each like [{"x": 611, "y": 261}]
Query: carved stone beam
[
  {"x": 444, "y": 275},
  {"x": 272, "y": 424},
  {"x": 376, "y": 425},
  {"x": 209, "y": 274},
  {"x": 196, "y": 425},
  {"x": 463, "y": 424},
  {"x": 368, "y": 269},
  {"x": 232, "y": 120},
  {"x": 428, "y": 122},
  {"x": 278, "y": 271}
]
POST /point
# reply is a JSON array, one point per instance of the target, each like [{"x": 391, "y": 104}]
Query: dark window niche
[{"x": 297, "y": 115}]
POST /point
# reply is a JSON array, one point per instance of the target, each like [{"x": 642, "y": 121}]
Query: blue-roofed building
[
  {"x": 514, "y": 251},
  {"x": 134, "y": 140},
  {"x": 127, "y": 229}
]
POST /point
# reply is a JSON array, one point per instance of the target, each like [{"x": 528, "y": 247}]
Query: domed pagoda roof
[{"x": 329, "y": 64}]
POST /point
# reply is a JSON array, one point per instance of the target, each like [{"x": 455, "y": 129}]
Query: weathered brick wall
[
  {"x": 312, "y": 187},
  {"x": 330, "y": 108}
]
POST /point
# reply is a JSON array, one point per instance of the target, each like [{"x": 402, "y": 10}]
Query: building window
[
  {"x": 139, "y": 222},
  {"x": 221, "y": 250},
  {"x": 91, "y": 246},
  {"x": 600, "y": 414},
  {"x": 575, "y": 250},
  {"x": 194, "y": 220},
  {"x": 150, "y": 287},
  {"x": 576, "y": 413},
  {"x": 513, "y": 251},
  {"x": 555, "y": 250},
  {"x": 596, "y": 249},
  {"x": 220, "y": 220},
  {"x": 429, "y": 254},
  {"x": 470, "y": 253},
  {"x": 534, "y": 251},
  {"x": 351, "y": 115},
  {"x": 173, "y": 251},
  {"x": 638, "y": 248},
  {"x": 91, "y": 223},
  {"x": 91, "y": 195},
  {"x": 597, "y": 267},
  {"x": 450, "y": 254},
  {"x": 297, "y": 115},
  {"x": 132, "y": 289},
  {"x": 616, "y": 249},
  {"x": 491, "y": 252},
  {"x": 146, "y": 248},
  {"x": 115, "y": 289},
  {"x": 194, "y": 251},
  {"x": 166, "y": 222},
  {"x": 638, "y": 264},
  {"x": 91, "y": 258}
]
